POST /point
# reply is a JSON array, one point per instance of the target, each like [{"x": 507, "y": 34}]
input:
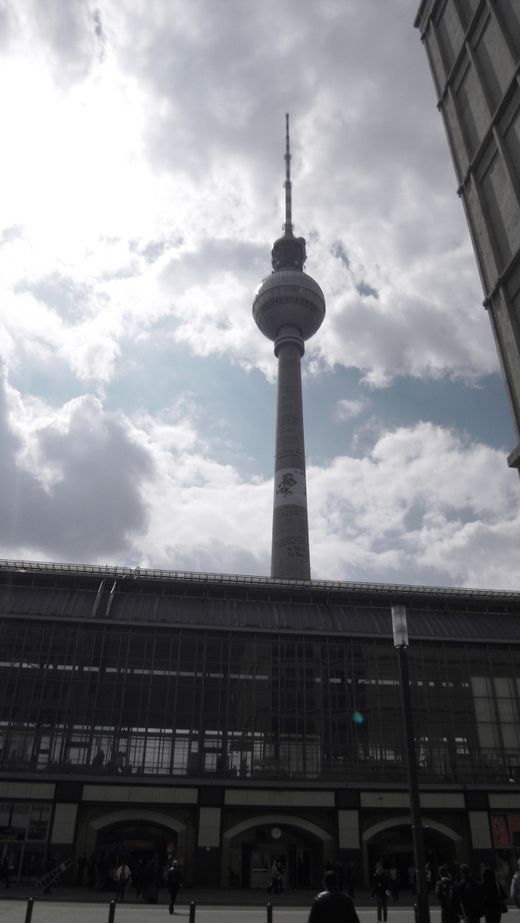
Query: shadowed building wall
[{"x": 473, "y": 48}]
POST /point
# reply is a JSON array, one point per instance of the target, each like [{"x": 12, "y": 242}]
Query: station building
[{"x": 230, "y": 720}]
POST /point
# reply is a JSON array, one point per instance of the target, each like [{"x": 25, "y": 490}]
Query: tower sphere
[{"x": 289, "y": 298}]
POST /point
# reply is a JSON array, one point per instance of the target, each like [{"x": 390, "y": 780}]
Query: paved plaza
[
  {"x": 64, "y": 912},
  {"x": 74, "y": 906}
]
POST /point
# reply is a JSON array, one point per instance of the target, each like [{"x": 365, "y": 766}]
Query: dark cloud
[
  {"x": 94, "y": 507},
  {"x": 71, "y": 34}
]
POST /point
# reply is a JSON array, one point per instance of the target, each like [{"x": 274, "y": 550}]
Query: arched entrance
[
  {"x": 391, "y": 842},
  {"x": 299, "y": 846},
  {"x": 144, "y": 839}
]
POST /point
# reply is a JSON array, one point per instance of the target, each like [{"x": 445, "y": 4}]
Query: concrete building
[
  {"x": 473, "y": 47},
  {"x": 289, "y": 308}
]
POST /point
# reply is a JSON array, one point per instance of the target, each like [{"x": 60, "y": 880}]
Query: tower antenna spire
[
  {"x": 288, "y": 227},
  {"x": 288, "y": 308}
]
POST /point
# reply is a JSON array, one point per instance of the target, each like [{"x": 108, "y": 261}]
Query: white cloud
[
  {"x": 423, "y": 506},
  {"x": 81, "y": 483},
  {"x": 141, "y": 184},
  {"x": 350, "y": 409}
]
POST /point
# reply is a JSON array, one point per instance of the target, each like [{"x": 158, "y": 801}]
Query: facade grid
[
  {"x": 198, "y": 716},
  {"x": 473, "y": 47}
]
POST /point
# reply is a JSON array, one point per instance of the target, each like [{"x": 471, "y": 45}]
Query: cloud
[
  {"x": 71, "y": 480},
  {"x": 141, "y": 186},
  {"x": 349, "y": 409},
  {"x": 425, "y": 505}
]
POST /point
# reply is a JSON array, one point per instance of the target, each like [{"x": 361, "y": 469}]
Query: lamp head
[{"x": 399, "y": 626}]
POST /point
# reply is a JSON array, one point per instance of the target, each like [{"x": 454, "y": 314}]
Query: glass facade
[
  {"x": 474, "y": 53},
  {"x": 162, "y": 701}
]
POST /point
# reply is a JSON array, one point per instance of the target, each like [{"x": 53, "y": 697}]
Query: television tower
[{"x": 289, "y": 308}]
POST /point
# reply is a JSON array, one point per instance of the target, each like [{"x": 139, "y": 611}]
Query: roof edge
[{"x": 138, "y": 573}]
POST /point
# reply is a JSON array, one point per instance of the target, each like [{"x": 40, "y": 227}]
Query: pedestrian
[
  {"x": 494, "y": 897},
  {"x": 5, "y": 870},
  {"x": 122, "y": 877},
  {"x": 331, "y": 905},
  {"x": 351, "y": 880},
  {"x": 91, "y": 871},
  {"x": 515, "y": 886},
  {"x": 82, "y": 864},
  {"x": 276, "y": 879},
  {"x": 174, "y": 882},
  {"x": 338, "y": 868},
  {"x": 470, "y": 895},
  {"x": 445, "y": 892},
  {"x": 394, "y": 882},
  {"x": 380, "y": 890}
]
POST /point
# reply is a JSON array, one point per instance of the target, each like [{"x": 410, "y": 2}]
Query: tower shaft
[
  {"x": 290, "y": 543},
  {"x": 289, "y": 308}
]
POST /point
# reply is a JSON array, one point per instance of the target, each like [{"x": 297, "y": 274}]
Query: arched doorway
[
  {"x": 300, "y": 847},
  {"x": 138, "y": 842},
  {"x": 390, "y": 842},
  {"x": 144, "y": 839}
]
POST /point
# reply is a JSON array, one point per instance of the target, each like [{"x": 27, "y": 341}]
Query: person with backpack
[
  {"x": 515, "y": 886},
  {"x": 445, "y": 892},
  {"x": 332, "y": 905},
  {"x": 470, "y": 896},
  {"x": 494, "y": 896}
]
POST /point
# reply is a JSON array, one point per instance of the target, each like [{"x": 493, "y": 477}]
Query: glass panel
[
  {"x": 466, "y": 10},
  {"x": 39, "y": 822},
  {"x": 494, "y": 60},
  {"x": 501, "y": 209},
  {"x": 472, "y": 108},
  {"x": 450, "y": 33},
  {"x": 509, "y": 13}
]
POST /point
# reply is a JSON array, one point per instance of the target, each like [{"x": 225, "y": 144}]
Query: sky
[{"x": 141, "y": 182}]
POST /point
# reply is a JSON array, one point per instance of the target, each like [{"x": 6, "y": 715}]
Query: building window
[
  {"x": 500, "y": 208},
  {"x": 472, "y": 107},
  {"x": 508, "y": 12},
  {"x": 510, "y": 127},
  {"x": 493, "y": 58},
  {"x": 467, "y": 9},
  {"x": 450, "y": 33}
]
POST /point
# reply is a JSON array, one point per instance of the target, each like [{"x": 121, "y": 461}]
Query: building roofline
[
  {"x": 421, "y": 12},
  {"x": 223, "y": 579}
]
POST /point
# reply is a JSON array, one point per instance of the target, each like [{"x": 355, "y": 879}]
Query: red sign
[{"x": 500, "y": 830}]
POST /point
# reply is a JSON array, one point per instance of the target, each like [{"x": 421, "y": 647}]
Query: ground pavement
[{"x": 71, "y": 905}]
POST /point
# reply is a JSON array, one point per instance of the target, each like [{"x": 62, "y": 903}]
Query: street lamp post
[{"x": 400, "y": 630}]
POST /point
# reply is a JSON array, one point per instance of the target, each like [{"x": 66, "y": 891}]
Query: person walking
[
  {"x": 174, "y": 882},
  {"x": 332, "y": 905},
  {"x": 276, "y": 879},
  {"x": 380, "y": 890},
  {"x": 394, "y": 882},
  {"x": 5, "y": 870},
  {"x": 494, "y": 896},
  {"x": 122, "y": 877},
  {"x": 469, "y": 893},
  {"x": 81, "y": 864},
  {"x": 515, "y": 886},
  {"x": 445, "y": 892},
  {"x": 351, "y": 880}
]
